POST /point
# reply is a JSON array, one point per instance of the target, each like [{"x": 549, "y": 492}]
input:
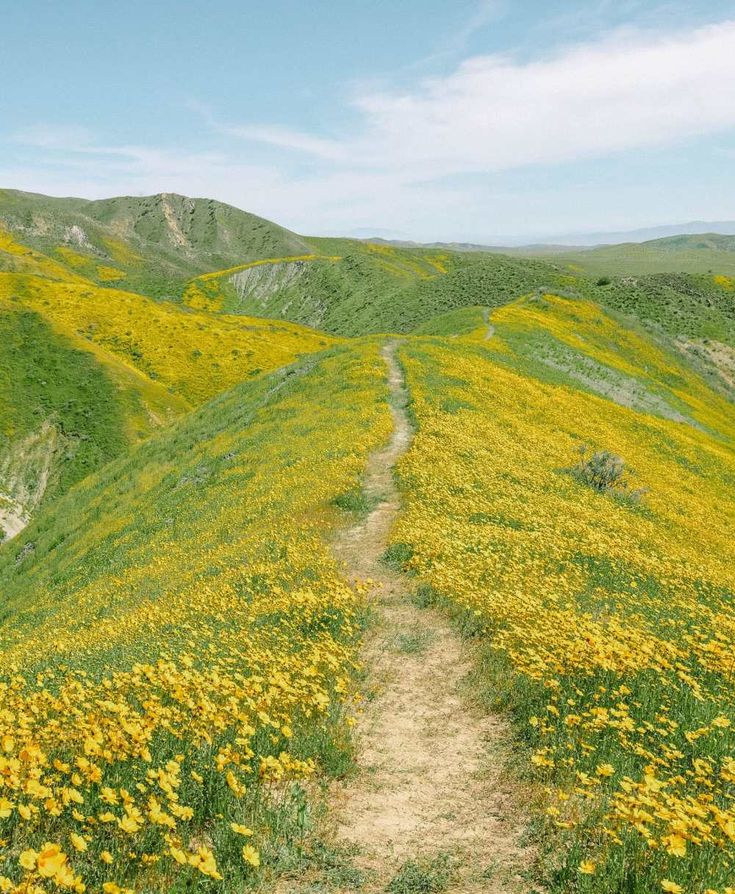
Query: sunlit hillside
[
  {"x": 190, "y": 354},
  {"x": 90, "y": 369},
  {"x": 240, "y": 467},
  {"x": 151, "y": 244},
  {"x": 211, "y": 642},
  {"x": 706, "y": 253},
  {"x": 606, "y": 623}
]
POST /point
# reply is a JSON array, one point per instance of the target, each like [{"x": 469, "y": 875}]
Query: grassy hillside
[
  {"x": 152, "y": 244},
  {"x": 206, "y": 663},
  {"x": 64, "y": 411},
  {"x": 608, "y": 628},
  {"x": 344, "y": 286},
  {"x": 191, "y": 354},
  {"x": 681, "y": 304},
  {"x": 708, "y": 253},
  {"x": 364, "y": 288},
  {"x": 88, "y": 371},
  {"x": 215, "y": 258}
]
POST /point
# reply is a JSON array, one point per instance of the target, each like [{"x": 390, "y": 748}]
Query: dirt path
[
  {"x": 430, "y": 780},
  {"x": 490, "y": 328}
]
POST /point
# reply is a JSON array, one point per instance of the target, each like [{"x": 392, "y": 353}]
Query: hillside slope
[
  {"x": 152, "y": 244},
  {"x": 65, "y": 411},
  {"x": 706, "y": 253},
  {"x": 206, "y": 659},
  {"x": 361, "y": 288},
  {"x": 87, "y": 371},
  {"x": 214, "y": 258},
  {"x": 605, "y": 614},
  {"x": 191, "y": 354},
  {"x": 179, "y": 635},
  {"x": 207, "y": 665}
]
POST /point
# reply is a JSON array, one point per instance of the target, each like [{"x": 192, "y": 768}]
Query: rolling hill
[
  {"x": 152, "y": 244},
  {"x": 239, "y": 466},
  {"x": 92, "y": 368},
  {"x": 712, "y": 253}
]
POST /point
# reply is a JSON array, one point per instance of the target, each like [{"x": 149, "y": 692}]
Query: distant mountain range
[
  {"x": 646, "y": 234},
  {"x": 563, "y": 243}
]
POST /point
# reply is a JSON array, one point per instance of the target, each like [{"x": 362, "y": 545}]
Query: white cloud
[
  {"x": 493, "y": 113},
  {"x": 60, "y": 137}
]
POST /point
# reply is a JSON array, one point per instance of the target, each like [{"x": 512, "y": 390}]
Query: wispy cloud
[
  {"x": 493, "y": 113},
  {"x": 455, "y": 43},
  {"x": 286, "y": 138},
  {"x": 54, "y": 136}
]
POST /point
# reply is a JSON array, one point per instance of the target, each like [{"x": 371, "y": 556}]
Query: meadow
[
  {"x": 603, "y": 620},
  {"x": 190, "y": 354},
  {"x": 151, "y": 738},
  {"x": 179, "y": 646}
]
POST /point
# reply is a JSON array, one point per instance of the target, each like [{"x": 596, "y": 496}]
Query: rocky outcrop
[
  {"x": 25, "y": 469},
  {"x": 261, "y": 281}
]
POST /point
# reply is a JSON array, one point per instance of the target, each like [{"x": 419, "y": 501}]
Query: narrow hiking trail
[
  {"x": 430, "y": 775},
  {"x": 490, "y": 331}
]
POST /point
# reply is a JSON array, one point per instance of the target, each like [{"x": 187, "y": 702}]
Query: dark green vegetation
[
  {"x": 680, "y": 304},
  {"x": 383, "y": 289},
  {"x": 423, "y": 876},
  {"x": 45, "y": 382}
]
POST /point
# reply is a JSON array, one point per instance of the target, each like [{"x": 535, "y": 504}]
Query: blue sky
[{"x": 471, "y": 120}]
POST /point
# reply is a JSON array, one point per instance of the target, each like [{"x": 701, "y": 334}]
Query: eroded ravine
[{"x": 430, "y": 777}]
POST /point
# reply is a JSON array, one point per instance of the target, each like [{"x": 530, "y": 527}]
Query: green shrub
[
  {"x": 355, "y": 500},
  {"x": 605, "y": 472},
  {"x": 602, "y": 470}
]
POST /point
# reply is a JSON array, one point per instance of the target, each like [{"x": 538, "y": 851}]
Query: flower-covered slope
[
  {"x": 608, "y": 615},
  {"x": 177, "y": 641}
]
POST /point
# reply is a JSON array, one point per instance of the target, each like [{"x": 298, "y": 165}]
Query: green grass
[
  {"x": 157, "y": 259},
  {"x": 678, "y": 304},
  {"x": 708, "y": 253},
  {"x": 462, "y": 321},
  {"x": 366, "y": 292},
  {"x": 422, "y": 876},
  {"x": 43, "y": 378},
  {"x": 397, "y": 556},
  {"x": 355, "y": 500},
  {"x": 416, "y": 642}
]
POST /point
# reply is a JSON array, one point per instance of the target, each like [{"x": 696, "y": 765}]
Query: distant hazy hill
[
  {"x": 646, "y": 234},
  {"x": 700, "y": 253},
  {"x": 571, "y": 241}
]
